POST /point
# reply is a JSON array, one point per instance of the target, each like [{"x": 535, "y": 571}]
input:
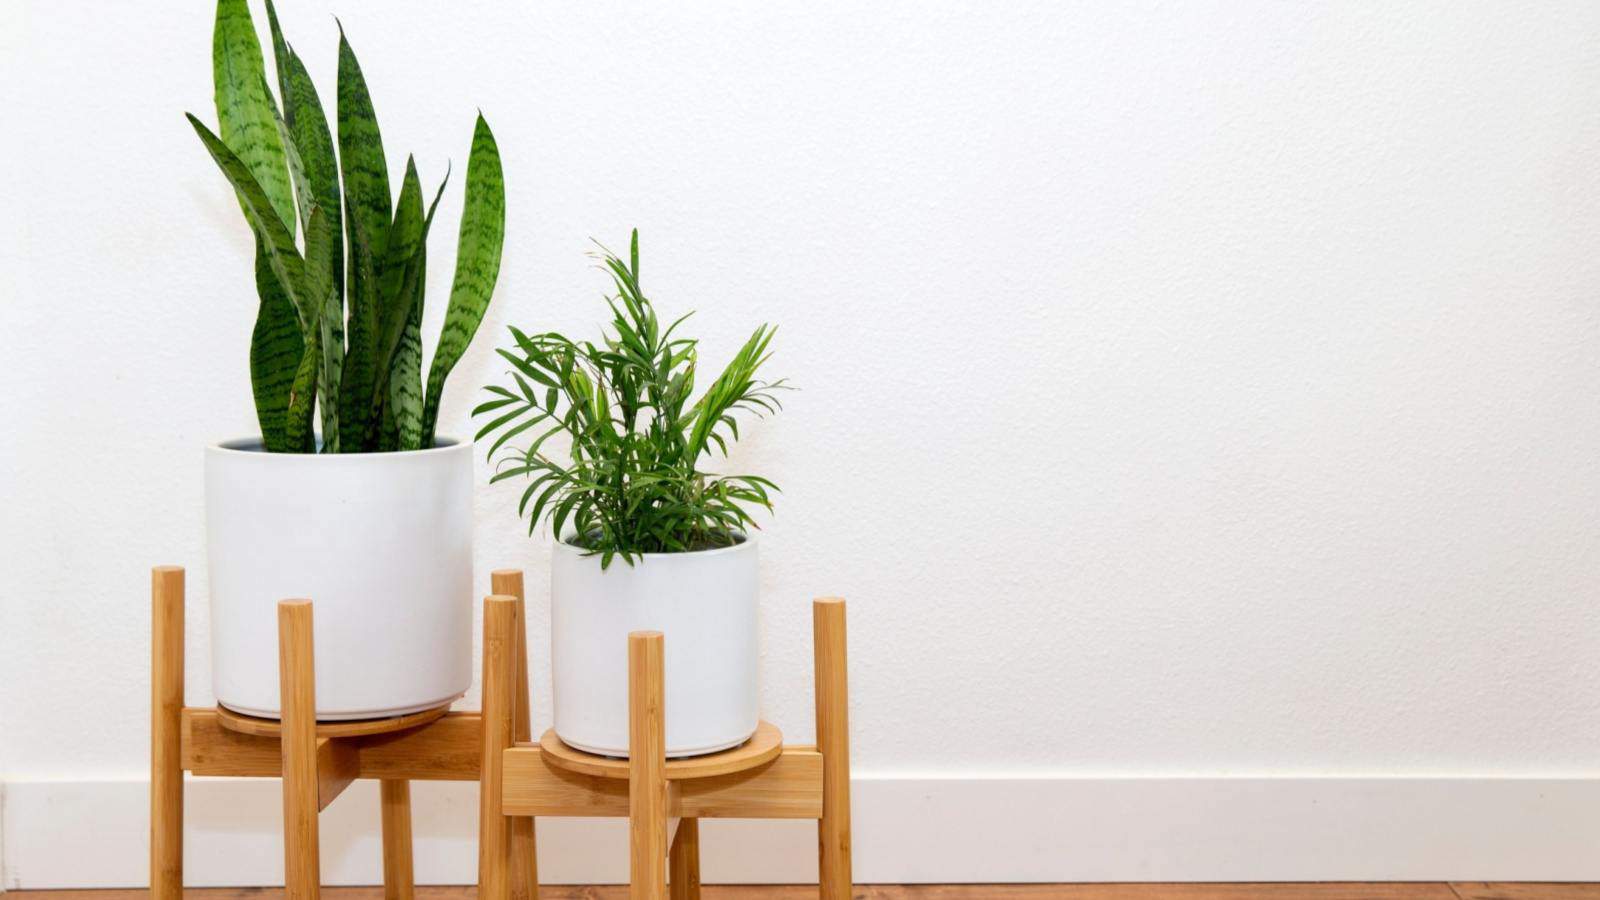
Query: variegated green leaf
[
  {"x": 321, "y": 247},
  {"x": 245, "y": 109},
  {"x": 394, "y": 301},
  {"x": 358, "y": 415},
  {"x": 405, "y": 373},
  {"x": 483, "y": 220},
  {"x": 366, "y": 174},
  {"x": 302, "y": 399},
  {"x": 282, "y": 255},
  {"x": 275, "y": 353},
  {"x": 308, "y": 126},
  {"x": 280, "y": 58}
]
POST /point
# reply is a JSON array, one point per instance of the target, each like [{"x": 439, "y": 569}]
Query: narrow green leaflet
[
  {"x": 366, "y": 174},
  {"x": 275, "y": 353},
  {"x": 244, "y": 106},
  {"x": 483, "y": 221}
]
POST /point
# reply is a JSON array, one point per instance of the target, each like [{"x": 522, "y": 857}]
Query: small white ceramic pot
[
  {"x": 380, "y": 543},
  {"x": 705, "y": 605}
]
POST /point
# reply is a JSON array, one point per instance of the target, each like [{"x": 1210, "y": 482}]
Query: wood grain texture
[
  {"x": 1487, "y": 890},
  {"x": 449, "y": 749},
  {"x": 298, "y": 745},
  {"x": 647, "y": 766},
  {"x": 789, "y": 787},
  {"x": 235, "y": 721},
  {"x": 524, "y": 855},
  {"x": 762, "y": 747},
  {"x": 166, "y": 733},
  {"x": 1296, "y": 891},
  {"x": 499, "y": 713},
  {"x": 683, "y": 861},
  {"x": 394, "y": 798},
  {"x": 338, "y": 764},
  {"x": 833, "y": 739}
]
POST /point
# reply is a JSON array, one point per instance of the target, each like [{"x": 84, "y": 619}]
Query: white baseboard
[{"x": 60, "y": 834}]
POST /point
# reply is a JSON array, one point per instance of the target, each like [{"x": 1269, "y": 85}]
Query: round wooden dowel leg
[
  {"x": 647, "y": 767},
  {"x": 524, "y": 857},
  {"x": 395, "y": 796},
  {"x": 166, "y": 738},
  {"x": 684, "y": 879},
  {"x": 297, "y": 693},
  {"x": 499, "y": 714},
  {"x": 833, "y": 739}
]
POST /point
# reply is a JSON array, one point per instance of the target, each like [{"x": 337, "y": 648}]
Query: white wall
[{"x": 1197, "y": 390}]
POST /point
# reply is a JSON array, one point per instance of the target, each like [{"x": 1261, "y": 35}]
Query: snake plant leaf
[
  {"x": 321, "y": 288},
  {"x": 297, "y": 170},
  {"x": 483, "y": 221},
  {"x": 358, "y": 415},
  {"x": 276, "y": 350},
  {"x": 394, "y": 299},
  {"x": 405, "y": 373},
  {"x": 244, "y": 106},
  {"x": 280, "y": 58},
  {"x": 366, "y": 174},
  {"x": 308, "y": 126},
  {"x": 282, "y": 254},
  {"x": 298, "y": 436}
]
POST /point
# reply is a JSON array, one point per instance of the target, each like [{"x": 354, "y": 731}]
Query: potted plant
[
  {"x": 646, "y": 539},
  {"x": 371, "y": 519}
]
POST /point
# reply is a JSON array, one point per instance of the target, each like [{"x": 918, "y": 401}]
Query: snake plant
[{"x": 337, "y": 331}]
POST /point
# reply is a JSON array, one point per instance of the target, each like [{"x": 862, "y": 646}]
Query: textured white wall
[{"x": 1187, "y": 388}]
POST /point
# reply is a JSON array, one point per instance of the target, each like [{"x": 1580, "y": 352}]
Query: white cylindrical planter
[
  {"x": 705, "y": 604},
  {"x": 380, "y": 543}
]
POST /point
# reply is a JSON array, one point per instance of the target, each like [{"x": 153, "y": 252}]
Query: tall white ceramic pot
[
  {"x": 381, "y": 543},
  {"x": 704, "y": 603}
]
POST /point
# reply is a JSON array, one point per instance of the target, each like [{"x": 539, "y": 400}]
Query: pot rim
[
  {"x": 749, "y": 542},
  {"x": 254, "y": 447}
]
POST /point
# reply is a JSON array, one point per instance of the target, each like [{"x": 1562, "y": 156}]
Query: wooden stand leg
[
  {"x": 524, "y": 859},
  {"x": 395, "y": 796},
  {"x": 297, "y": 694},
  {"x": 647, "y": 766},
  {"x": 833, "y": 739},
  {"x": 166, "y": 737},
  {"x": 500, "y": 625},
  {"x": 685, "y": 861}
]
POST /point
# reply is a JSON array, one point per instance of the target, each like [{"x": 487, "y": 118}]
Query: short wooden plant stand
[
  {"x": 316, "y": 760},
  {"x": 518, "y": 779},
  {"x": 662, "y": 799}
]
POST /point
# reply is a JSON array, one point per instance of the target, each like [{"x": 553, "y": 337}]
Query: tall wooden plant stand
[
  {"x": 318, "y": 760},
  {"x": 663, "y": 800}
]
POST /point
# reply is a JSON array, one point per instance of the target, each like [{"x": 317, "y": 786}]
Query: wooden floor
[{"x": 1427, "y": 890}]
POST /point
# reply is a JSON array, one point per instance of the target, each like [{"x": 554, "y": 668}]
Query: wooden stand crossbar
[
  {"x": 318, "y": 760},
  {"x": 760, "y": 779}
]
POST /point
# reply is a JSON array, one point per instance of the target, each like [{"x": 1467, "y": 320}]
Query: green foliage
[
  {"x": 360, "y": 362},
  {"x": 630, "y": 481}
]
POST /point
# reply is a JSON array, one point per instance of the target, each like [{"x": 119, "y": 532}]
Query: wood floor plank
[
  {"x": 1304, "y": 891},
  {"x": 1493, "y": 890}
]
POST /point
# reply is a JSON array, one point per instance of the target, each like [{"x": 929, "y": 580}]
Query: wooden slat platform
[{"x": 1432, "y": 890}]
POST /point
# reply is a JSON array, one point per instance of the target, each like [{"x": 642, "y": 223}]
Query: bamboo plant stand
[
  {"x": 663, "y": 800},
  {"x": 316, "y": 760}
]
